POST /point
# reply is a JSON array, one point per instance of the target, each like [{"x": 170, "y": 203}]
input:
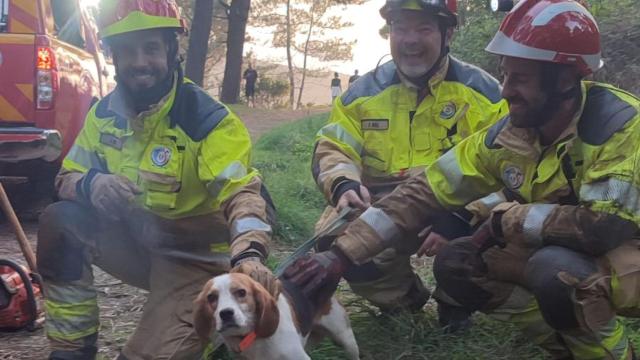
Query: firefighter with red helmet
[
  {"x": 552, "y": 190},
  {"x": 157, "y": 190}
]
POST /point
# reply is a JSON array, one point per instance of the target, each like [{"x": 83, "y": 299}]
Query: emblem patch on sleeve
[
  {"x": 375, "y": 124},
  {"x": 513, "y": 177},
  {"x": 448, "y": 110},
  {"x": 160, "y": 156}
]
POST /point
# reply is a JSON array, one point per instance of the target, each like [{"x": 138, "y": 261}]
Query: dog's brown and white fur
[{"x": 235, "y": 305}]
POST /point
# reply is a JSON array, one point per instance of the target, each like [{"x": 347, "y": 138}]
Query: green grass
[{"x": 283, "y": 157}]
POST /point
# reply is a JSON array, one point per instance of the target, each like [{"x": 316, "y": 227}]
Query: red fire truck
[{"x": 52, "y": 68}]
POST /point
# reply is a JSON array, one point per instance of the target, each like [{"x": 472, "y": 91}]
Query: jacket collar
[
  {"x": 121, "y": 106},
  {"x": 435, "y": 79},
  {"x": 526, "y": 141}
]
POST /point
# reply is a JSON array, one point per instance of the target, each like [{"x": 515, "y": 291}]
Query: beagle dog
[{"x": 255, "y": 325}]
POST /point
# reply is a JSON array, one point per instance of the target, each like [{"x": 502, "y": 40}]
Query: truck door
[{"x": 18, "y": 27}]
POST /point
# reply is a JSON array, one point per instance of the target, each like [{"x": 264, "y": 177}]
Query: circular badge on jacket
[
  {"x": 513, "y": 177},
  {"x": 448, "y": 111},
  {"x": 160, "y": 156}
]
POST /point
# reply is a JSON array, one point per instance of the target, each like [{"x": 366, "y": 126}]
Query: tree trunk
[
  {"x": 292, "y": 84},
  {"x": 304, "y": 63},
  {"x": 199, "y": 40},
  {"x": 238, "y": 14}
]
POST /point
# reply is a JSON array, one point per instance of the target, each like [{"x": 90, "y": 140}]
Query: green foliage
[
  {"x": 470, "y": 40},
  {"x": 271, "y": 92},
  {"x": 283, "y": 156},
  {"x": 478, "y": 25},
  {"x": 604, "y": 9}
]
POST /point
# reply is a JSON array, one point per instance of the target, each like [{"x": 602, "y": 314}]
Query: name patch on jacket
[
  {"x": 111, "y": 140},
  {"x": 375, "y": 124}
]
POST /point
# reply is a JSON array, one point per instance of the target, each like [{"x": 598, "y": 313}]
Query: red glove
[{"x": 318, "y": 275}]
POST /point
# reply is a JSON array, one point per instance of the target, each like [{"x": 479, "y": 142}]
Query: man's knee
[
  {"x": 453, "y": 269},
  {"x": 552, "y": 274},
  {"x": 60, "y": 254}
]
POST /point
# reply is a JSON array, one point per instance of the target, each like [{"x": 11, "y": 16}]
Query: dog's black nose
[{"x": 226, "y": 314}]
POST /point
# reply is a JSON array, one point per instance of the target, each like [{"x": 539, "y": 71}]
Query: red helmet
[
  {"x": 558, "y": 31},
  {"x": 122, "y": 16}
]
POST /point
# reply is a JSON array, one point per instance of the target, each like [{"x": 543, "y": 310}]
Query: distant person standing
[
  {"x": 353, "y": 77},
  {"x": 336, "y": 86},
  {"x": 250, "y": 77}
]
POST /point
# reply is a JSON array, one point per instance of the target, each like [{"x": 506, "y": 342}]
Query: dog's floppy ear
[
  {"x": 267, "y": 312},
  {"x": 203, "y": 319}
]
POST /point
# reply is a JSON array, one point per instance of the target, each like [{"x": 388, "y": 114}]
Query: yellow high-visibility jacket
[
  {"x": 378, "y": 134},
  {"x": 190, "y": 156},
  {"x": 581, "y": 192}
]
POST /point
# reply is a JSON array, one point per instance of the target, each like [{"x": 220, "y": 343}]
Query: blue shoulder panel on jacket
[
  {"x": 475, "y": 78},
  {"x": 372, "y": 83},
  {"x": 492, "y": 133},
  {"x": 103, "y": 112},
  {"x": 604, "y": 114},
  {"x": 196, "y": 112}
]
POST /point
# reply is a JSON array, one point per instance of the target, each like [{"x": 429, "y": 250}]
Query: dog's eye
[
  {"x": 241, "y": 293},
  {"x": 212, "y": 298}
]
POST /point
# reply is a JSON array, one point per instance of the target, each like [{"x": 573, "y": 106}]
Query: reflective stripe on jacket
[
  {"x": 190, "y": 156},
  {"x": 597, "y": 156},
  {"x": 378, "y": 135}
]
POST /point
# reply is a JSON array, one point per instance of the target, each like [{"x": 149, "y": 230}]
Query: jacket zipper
[{"x": 411, "y": 115}]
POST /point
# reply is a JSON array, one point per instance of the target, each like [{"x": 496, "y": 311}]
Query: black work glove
[{"x": 318, "y": 275}]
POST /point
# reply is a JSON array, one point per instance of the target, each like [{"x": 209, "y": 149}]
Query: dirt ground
[
  {"x": 120, "y": 304},
  {"x": 260, "y": 121},
  {"x": 120, "y": 308}
]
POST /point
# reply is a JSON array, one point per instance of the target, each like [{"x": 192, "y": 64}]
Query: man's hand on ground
[{"x": 318, "y": 275}]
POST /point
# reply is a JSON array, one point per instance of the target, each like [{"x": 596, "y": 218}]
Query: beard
[
  {"x": 413, "y": 71},
  {"x": 144, "y": 95},
  {"x": 530, "y": 114},
  {"x": 139, "y": 79}
]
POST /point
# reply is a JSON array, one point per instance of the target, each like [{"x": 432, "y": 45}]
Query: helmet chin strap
[{"x": 550, "y": 86}]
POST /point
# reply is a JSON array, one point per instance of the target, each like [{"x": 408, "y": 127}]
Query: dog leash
[{"x": 331, "y": 229}]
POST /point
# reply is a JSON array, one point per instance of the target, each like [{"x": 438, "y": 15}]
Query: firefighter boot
[{"x": 453, "y": 318}]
